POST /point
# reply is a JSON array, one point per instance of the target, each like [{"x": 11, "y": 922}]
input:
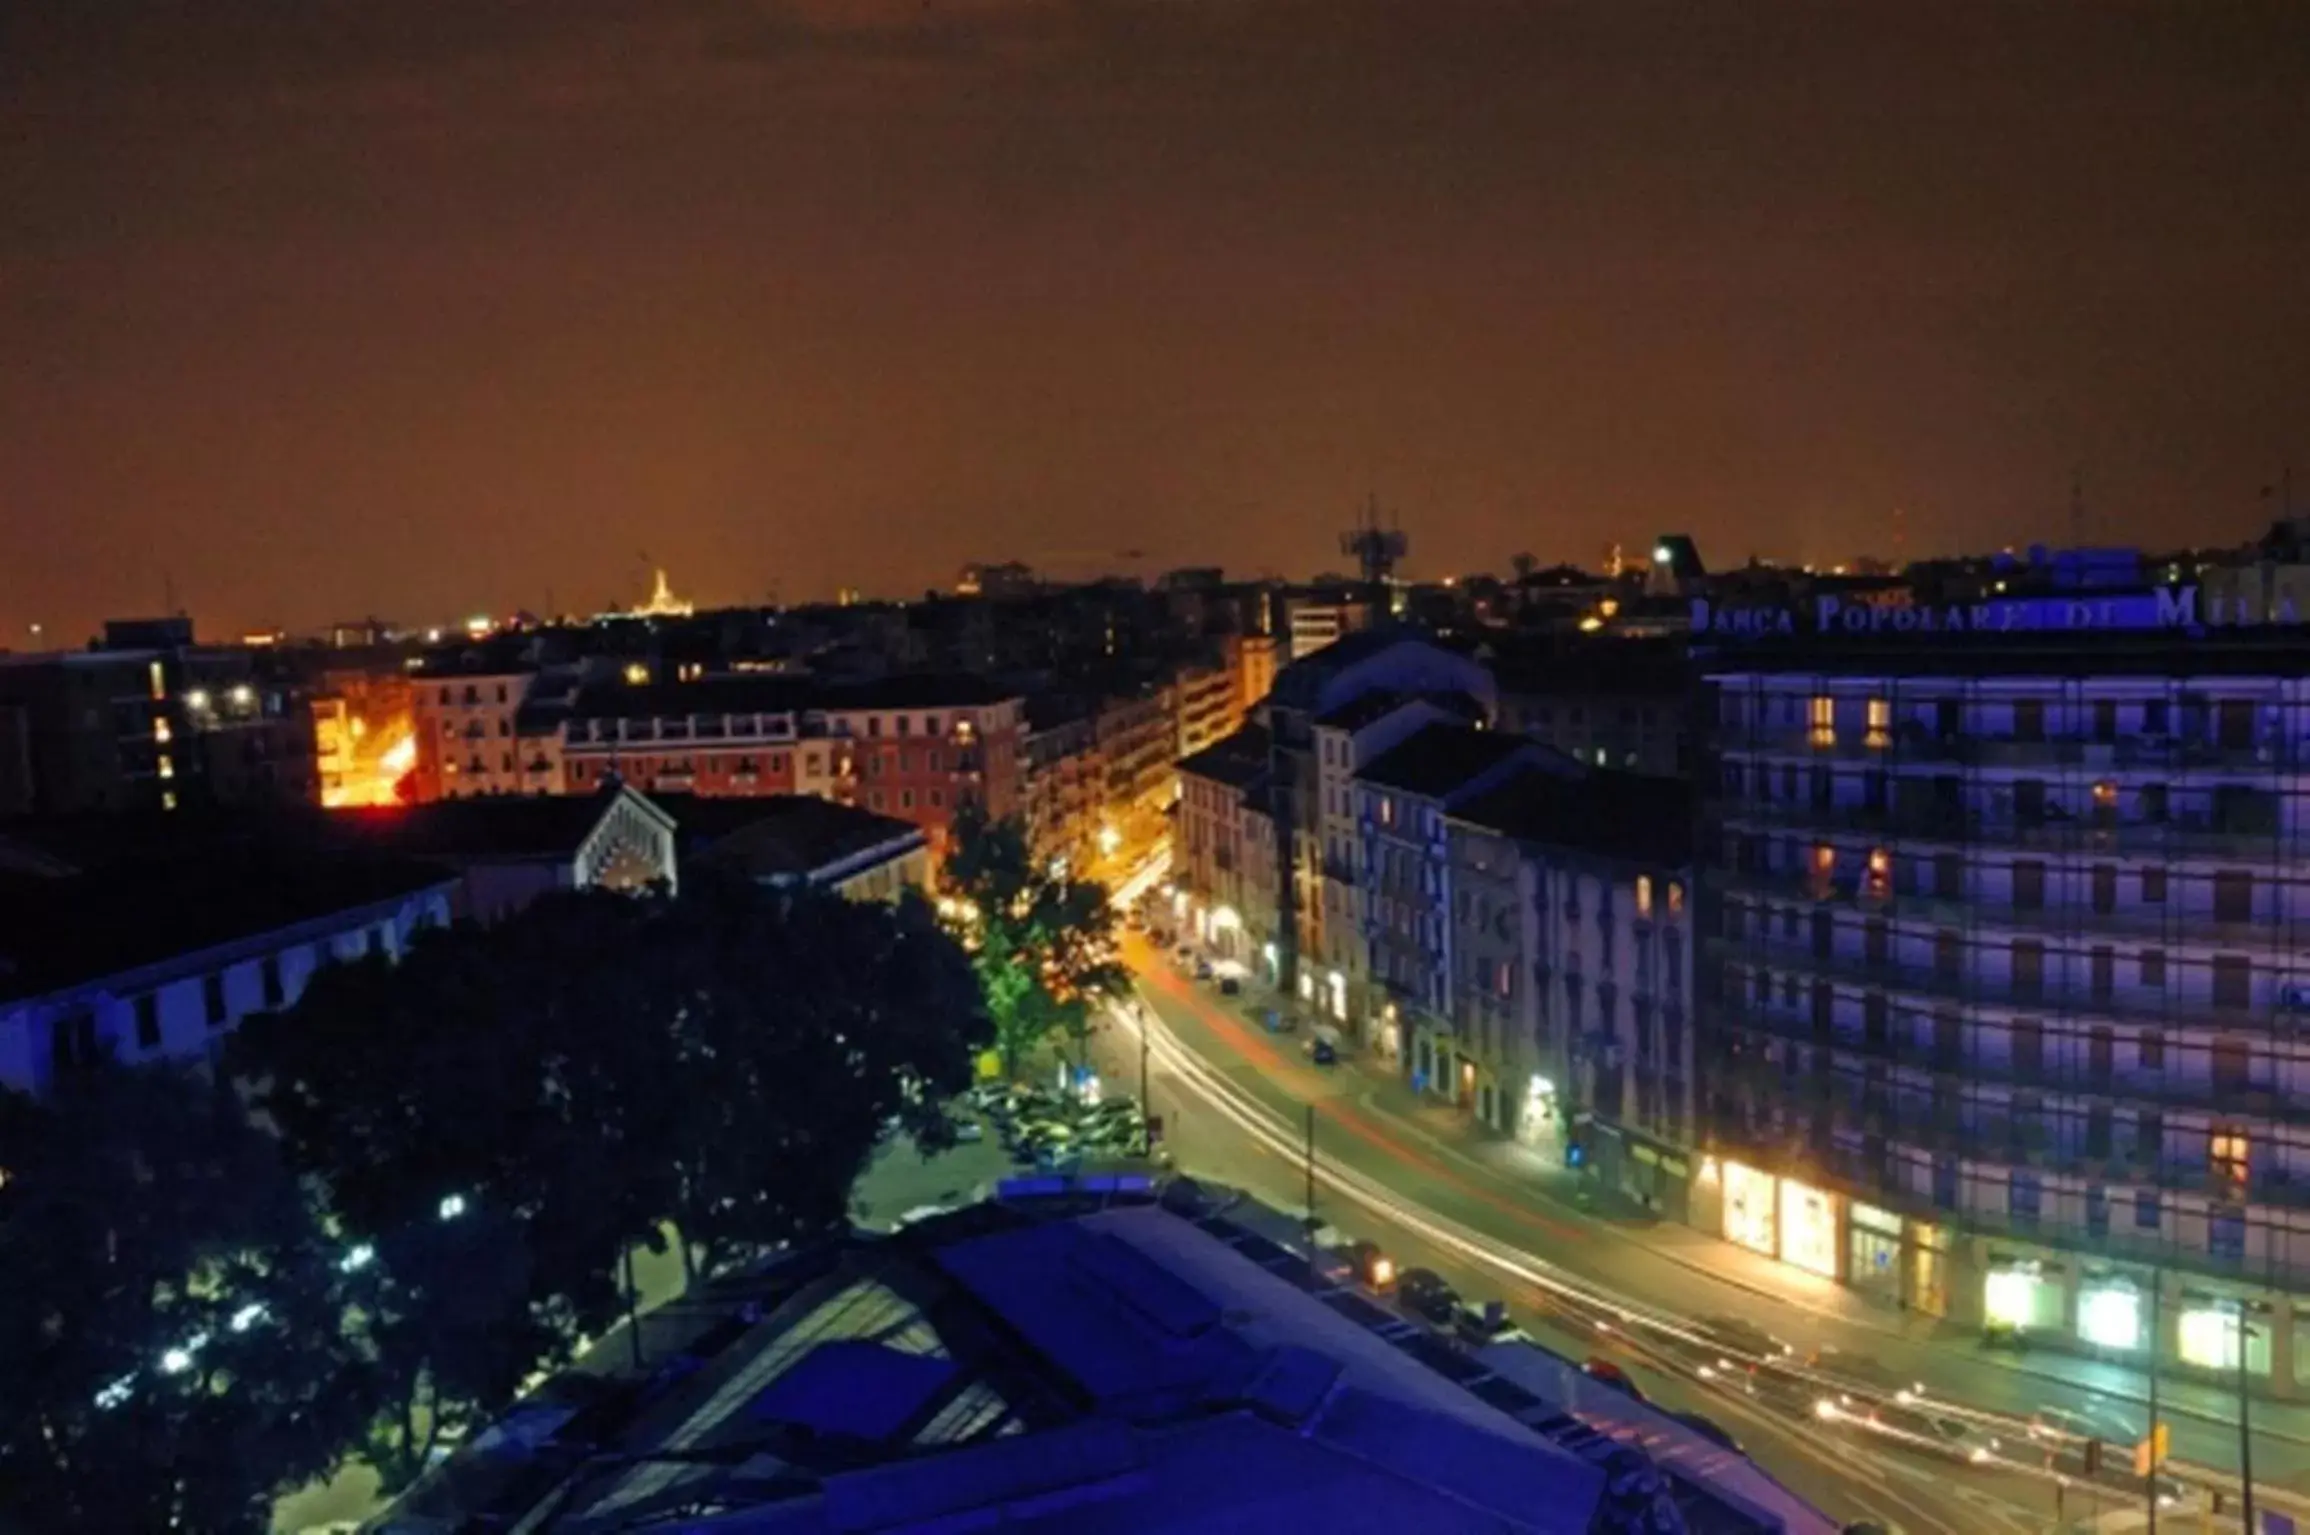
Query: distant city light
[
  {"x": 452, "y": 1207},
  {"x": 242, "y": 696},
  {"x": 357, "y": 1258},
  {"x": 247, "y": 1317},
  {"x": 197, "y": 699},
  {"x": 1661, "y": 554}
]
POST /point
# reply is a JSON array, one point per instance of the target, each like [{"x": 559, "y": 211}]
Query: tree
[
  {"x": 1043, "y": 944},
  {"x": 172, "y": 1333},
  {"x": 471, "y": 1112},
  {"x": 808, "y": 1025}
]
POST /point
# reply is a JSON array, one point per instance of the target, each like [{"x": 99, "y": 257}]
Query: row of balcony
[
  {"x": 2186, "y": 835},
  {"x": 2255, "y": 1095},
  {"x": 1904, "y": 744},
  {"x": 2169, "y": 922}
]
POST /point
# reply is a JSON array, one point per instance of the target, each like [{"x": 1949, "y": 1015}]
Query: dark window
[
  {"x": 213, "y": 999},
  {"x": 2097, "y": 1211},
  {"x": 270, "y": 970},
  {"x": 2146, "y": 1209},
  {"x": 2105, "y": 888},
  {"x": 1948, "y": 1032},
  {"x": 2154, "y": 723},
  {"x": 148, "y": 1021},
  {"x": 2236, "y": 716},
  {"x": 2233, "y": 1066},
  {"x": 2152, "y": 1047},
  {"x": 2029, "y": 886},
  {"x": 2154, "y": 968},
  {"x": 2029, "y": 719},
  {"x": 1948, "y": 955},
  {"x": 2029, "y": 801},
  {"x": 1948, "y": 876},
  {"x": 2233, "y": 980},
  {"x": 1877, "y": 942},
  {"x": 2226, "y": 1233},
  {"x": 2103, "y": 975},
  {"x": 2028, "y": 968},
  {"x": 2023, "y": 1197},
  {"x": 72, "y": 1042},
  {"x": 1945, "y": 1182},
  {"x": 2028, "y": 1047},
  {"x": 2150, "y": 1138},
  {"x": 2097, "y": 1130},
  {"x": 2154, "y": 804},
  {"x": 2105, "y": 720},
  {"x": 2101, "y": 1055},
  {"x": 2233, "y": 896}
]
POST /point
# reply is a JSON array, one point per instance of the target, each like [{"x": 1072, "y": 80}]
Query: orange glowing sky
[{"x": 318, "y": 308}]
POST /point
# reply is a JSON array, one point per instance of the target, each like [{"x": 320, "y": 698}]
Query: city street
[{"x": 1495, "y": 1221}]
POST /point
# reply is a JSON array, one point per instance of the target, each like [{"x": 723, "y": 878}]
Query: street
[{"x": 1495, "y": 1222}]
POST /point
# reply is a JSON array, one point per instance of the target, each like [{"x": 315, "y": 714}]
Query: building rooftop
[
  {"x": 780, "y": 838},
  {"x": 60, "y": 931},
  {"x": 1371, "y": 708},
  {"x": 787, "y": 693},
  {"x": 1632, "y": 816},
  {"x": 1436, "y": 759},
  {"x": 482, "y": 827},
  {"x": 1071, "y": 1357},
  {"x": 1239, "y": 760}
]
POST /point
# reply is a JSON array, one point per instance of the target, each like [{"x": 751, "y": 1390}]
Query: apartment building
[{"x": 2005, "y": 981}]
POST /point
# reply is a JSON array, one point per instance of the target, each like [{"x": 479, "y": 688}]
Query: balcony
[
  {"x": 2169, "y": 924},
  {"x": 2180, "y": 838},
  {"x": 1974, "y": 750}
]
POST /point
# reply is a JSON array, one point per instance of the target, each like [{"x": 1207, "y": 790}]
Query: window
[
  {"x": 2029, "y": 719},
  {"x": 2028, "y": 968},
  {"x": 2233, "y": 980},
  {"x": 1644, "y": 895},
  {"x": 2153, "y": 887},
  {"x": 2104, "y": 974},
  {"x": 2024, "y": 1196},
  {"x": 2029, "y": 886},
  {"x": 148, "y": 1021},
  {"x": 1880, "y": 881},
  {"x": 905, "y": 796},
  {"x": 938, "y": 799},
  {"x": 1880, "y": 722},
  {"x": 1824, "y": 718},
  {"x": 2154, "y": 968},
  {"x": 2152, "y": 1050},
  {"x": 874, "y": 724},
  {"x": 2146, "y": 1209},
  {"x": 1675, "y": 898},
  {"x": 1948, "y": 955},
  {"x": 270, "y": 973},
  {"x": 1948, "y": 877},
  {"x": 2226, "y": 1239},
  {"x": 2233, "y": 896},
  {"x": 2227, "y": 1156},
  {"x": 2097, "y": 1211},
  {"x": 213, "y": 1000}
]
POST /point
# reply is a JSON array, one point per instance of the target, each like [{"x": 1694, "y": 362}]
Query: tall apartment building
[
  {"x": 1609, "y": 701},
  {"x": 2006, "y": 991},
  {"x": 464, "y": 717}
]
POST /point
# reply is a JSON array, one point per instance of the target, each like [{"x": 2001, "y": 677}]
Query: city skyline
[{"x": 323, "y": 313}]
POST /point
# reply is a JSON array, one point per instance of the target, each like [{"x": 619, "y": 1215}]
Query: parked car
[
  {"x": 1229, "y": 986},
  {"x": 1477, "y": 1325},
  {"x": 1323, "y": 1052},
  {"x": 1425, "y": 1295}
]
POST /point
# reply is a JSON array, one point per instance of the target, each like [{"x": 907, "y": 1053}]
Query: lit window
[
  {"x": 2226, "y": 1156},
  {"x": 1644, "y": 895},
  {"x": 2105, "y": 795},
  {"x": 1824, "y": 721},
  {"x": 168, "y": 799},
  {"x": 1675, "y": 898},
  {"x": 1880, "y": 721},
  {"x": 157, "y": 681},
  {"x": 160, "y": 729},
  {"x": 1880, "y": 872},
  {"x": 167, "y": 767}
]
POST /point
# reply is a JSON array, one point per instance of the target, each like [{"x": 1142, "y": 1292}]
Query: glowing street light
[{"x": 452, "y": 1207}]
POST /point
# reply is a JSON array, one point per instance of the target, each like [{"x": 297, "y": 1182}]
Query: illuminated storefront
[
  {"x": 1808, "y": 1218},
  {"x": 2021, "y": 1296},
  {"x": 2207, "y": 1336},
  {"x": 2110, "y": 1314},
  {"x": 1748, "y": 1209},
  {"x": 1873, "y": 1250}
]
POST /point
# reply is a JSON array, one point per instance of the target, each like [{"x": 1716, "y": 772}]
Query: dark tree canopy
[{"x": 172, "y": 1343}]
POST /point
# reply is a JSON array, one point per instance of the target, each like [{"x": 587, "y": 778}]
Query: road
[{"x": 1494, "y": 1222}]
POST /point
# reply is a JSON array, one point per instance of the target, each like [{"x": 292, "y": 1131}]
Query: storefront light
[
  {"x": 2208, "y": 1336},
  {"x": 1539, "y": 1087},
  {"x": 1224, "y": 918},
  {"x": 1748, "y": 1208},
  {"x": 1808, "y": 1228},
  {"x": 2110, "y": 1316},
  {"x": 2009, "y": 1297}
]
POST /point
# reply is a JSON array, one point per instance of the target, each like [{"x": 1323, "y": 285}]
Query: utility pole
[
  {"x": 2245, "y": 1430},
  {"x": 1146, "y": 1131}
]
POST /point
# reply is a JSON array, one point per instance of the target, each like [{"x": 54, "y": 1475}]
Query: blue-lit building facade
[{"x": 2003, "y": 990}]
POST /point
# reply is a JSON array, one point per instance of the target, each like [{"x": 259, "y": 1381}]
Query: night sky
[{"x": 320, "y": 308}]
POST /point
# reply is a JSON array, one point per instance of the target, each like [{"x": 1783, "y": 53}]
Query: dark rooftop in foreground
[
  {"x": 480, "y": 827},
  {"x": 1239, "y": 760},
  {"x": 1078, "y": 1357}
]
